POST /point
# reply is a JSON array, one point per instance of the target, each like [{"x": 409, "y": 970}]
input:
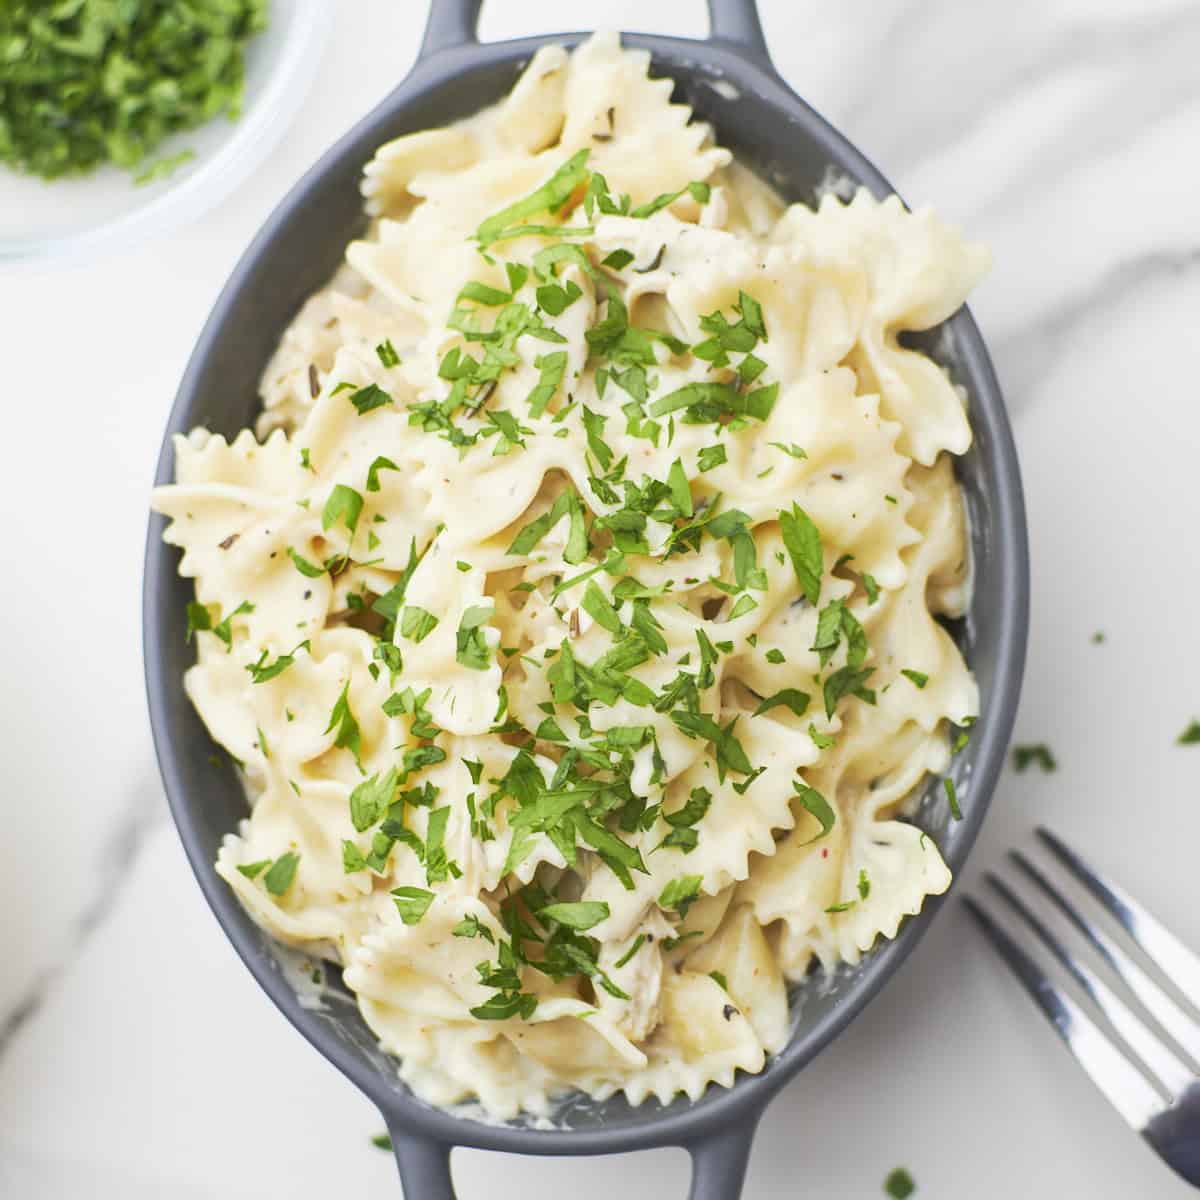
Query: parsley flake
[
  {"x": 471, "y": 648},
  {"x": 281, "y": 874},
  {"x": 412, "y": 903},
  {"x": 816, "y": 806},
  {"x": 680, "y": 894},
  {"x": 348, "y": 736},
  {"x": 369, "y": 398},
  {"x": 1039, "y": 754},
  {"x": 344, "y": 505},
  {"x": 417, "y": 623},
  {"x": 802, "y": 540},
  {"x": 952, "y": 798},
  {"x": 899, "y": 1184}
]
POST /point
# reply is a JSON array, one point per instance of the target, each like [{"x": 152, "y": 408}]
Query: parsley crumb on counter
[
  {"x": 1039, "y": 754},
  {"x": 1190, "y": 736},
  {"x": 899, "y": 1184}
]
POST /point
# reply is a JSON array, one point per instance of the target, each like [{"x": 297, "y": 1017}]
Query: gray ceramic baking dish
[{"x": 729, "y": 81}]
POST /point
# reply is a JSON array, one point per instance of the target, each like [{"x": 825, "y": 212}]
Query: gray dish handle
[
  {"x": 456, "y": 23},
  {"x": 718, "y": 1163}
]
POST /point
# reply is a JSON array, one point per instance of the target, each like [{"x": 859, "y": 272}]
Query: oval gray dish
[{"x": 730, "y": 82}]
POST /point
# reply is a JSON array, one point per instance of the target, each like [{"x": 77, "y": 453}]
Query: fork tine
[
  {"x": 1177, "y": 962},
  {"x": 1119, "y": 1080},
  {"x": 1181, "y": 1027},
  {"x": 1170, "y": 1070}
]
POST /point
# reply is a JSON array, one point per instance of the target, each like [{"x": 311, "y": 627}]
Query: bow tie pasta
[{"x": 573, "y": 611}]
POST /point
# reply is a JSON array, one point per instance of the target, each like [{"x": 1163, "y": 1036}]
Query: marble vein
[
  {"x": 143, "y": 811},
  {"x": 998, "y": 80},
  {"x": 1025, "y": 353}
]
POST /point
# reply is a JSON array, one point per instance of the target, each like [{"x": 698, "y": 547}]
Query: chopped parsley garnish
[
  {"x": 822, "y": 741},
  {"x": 699, "y": 192},
  {"x": 731, "y": 756},
  {"x": 437, "y": 866},
  {"x": 816, "y": 806},
  {"x": 344, "y": 505},
  {"x": 683, "y": 835},
  {"x": 952, "y": 798},
  {"x": 388, "y": 605},
  {"x": 802, "y": 540},
  {"x": 637, "y": 944},
  {"x": 1030, "y": 755},
  {"x": 847, "y": 681},
  {"x": 581, "y": 914},
  {"x": 412, "y": 903},
  {"x": 600, "y": 608},
  {"x": 200, "y": 618},
  {"x": 262, "y": 671},
  {"x": 618, "y": 260},
  {"x": 485, "y": 294},
  {"x": 471, "y": 648},
  {"x": 791, "y": 698},
  {"x": 380, "y": 464},
  {"x": 417, "y": 623},
  {"x": 352, "y": 858},
  {"x": 552, "y": 195},
  {"x": 471, "y": 927},
  {"x": 282, "y": 872},
  {"x": 369, "y": 398},
  {"x": 552, "y": 367},
  {"x": 409, "y": 703},
  {"x": 303, "y": 565},
  {"x": 919, "y": 678},
  {"x": 708, "y": 402},
  {"x": 370, "y": 800},
  {"x": 567, "y": 504},
  {"x": 344, "y": 726},
  {"x": 680, "y": 894},
  {"x": 382, "y": 1142}
]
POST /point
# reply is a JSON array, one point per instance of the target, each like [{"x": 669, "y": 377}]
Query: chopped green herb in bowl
[
  {"x": 86, "y": 82},
  {"x": 70, "y": 187}
]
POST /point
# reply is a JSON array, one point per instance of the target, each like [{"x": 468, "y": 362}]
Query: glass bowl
[{"x": 75, "y": 217}]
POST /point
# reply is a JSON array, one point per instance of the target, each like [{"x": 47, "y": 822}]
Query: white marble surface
[{"x": 138, "y": 1059}]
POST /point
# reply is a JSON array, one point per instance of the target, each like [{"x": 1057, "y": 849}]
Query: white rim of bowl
[{"x": 256, "y": 134}]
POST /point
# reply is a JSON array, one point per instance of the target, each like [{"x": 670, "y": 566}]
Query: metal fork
[{"x": 1160, "y": 1096}]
